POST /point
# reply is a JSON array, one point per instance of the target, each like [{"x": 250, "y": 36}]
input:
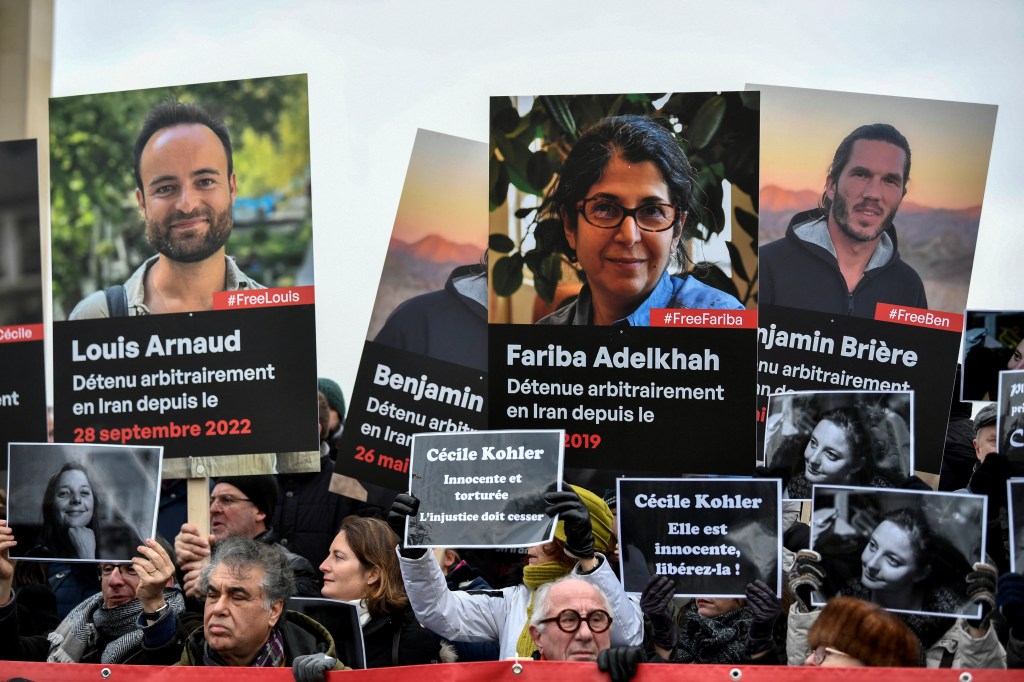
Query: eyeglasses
[
  {"x": 227, "y": 500},
  {"x": 127, "y": 570},
  {"x": 609, "y": 215},
  {"x": 569, "y": 621},
  {"x": 823, "y": 652}
]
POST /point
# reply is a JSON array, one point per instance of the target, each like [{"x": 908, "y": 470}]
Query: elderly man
[
  {"x": 106, "y": 628},
  {"x": 572, "y": 621},
  {"x": 239, "y": 507},
  {"x": 185, "y": 181},
  {"x": 244, "y": 622}
]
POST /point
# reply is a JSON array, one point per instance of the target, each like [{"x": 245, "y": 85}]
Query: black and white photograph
[
  {"x": 1015, "y": 498},
  {"x": 710, "y": 535},
  {"x": 993, "y": 343},
  {"x": 907, "y": 551},
  {"x": 1010, "y": 425},
  {"x": 858, "y": 438},
  {"x": 73, "y": 503}
]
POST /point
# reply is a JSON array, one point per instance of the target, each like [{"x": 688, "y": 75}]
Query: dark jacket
[
  {"x": 308, "y": 514},
  {"x": 797, "y": 272},
  {"x": 307, "y": 580},
  {"x": 449, "y": 325},
  {"x": 398, "y": 639}
]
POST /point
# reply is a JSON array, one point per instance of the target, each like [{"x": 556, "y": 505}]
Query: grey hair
[
  {"x": 241, "y": 555},
  {"x": 540, "y": 599}
]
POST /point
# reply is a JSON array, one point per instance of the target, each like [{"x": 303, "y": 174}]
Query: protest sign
[
  {"x": 906, "y": 550},
  {"x": 620, "y": 286},
  {"x": 23, "y": 380},
  {"x": 82, "y": 502},
  {"x": 182, "y": 286},
  {"x": 423, "y": 367},
  {"x": 1010, "y": 426},
  {"x": 712, "y": 536},
  {"x": 483, "y": 489},
  {"x": 1015, "y": 500},
  {"x": 862, "y": 438},
  {"x": 864, "y": 268}
]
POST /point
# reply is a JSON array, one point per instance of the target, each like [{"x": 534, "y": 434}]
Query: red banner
[
  {"x": 21, "y": 332},
  {"x": 529, "y": 671},
  {"x": 704, "y": 319},
  {"x": 919, "y": 317},
  {"x": 262, "y": 298}
]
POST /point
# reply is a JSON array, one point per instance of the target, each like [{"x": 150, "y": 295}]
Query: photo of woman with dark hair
[
  {"x": 70, "y": 514},
  {"x": 624, "y": 195},
  {"x": 836, "y": 438}
]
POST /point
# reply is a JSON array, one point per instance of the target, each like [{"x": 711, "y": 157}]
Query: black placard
[
  {"x": 483, "y": 489},
  {"x": 629, "y": 399},
  {"x": 257, "y": 394},
  {"x": 22, "y": 393},
  {"x": 1011, "y": 415},
  {"x": 398, "y": 394},
  {"x": 712, "y": 536},
  {"x": 807, "y": 350}
]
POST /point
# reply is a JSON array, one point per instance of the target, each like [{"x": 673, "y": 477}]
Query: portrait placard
[
  {"x": 1015, "y": 504},
  {"x": 183, "y": 271},
  {"x": 82, "y": 503},
  {"x": 483, "y": 489},
  {"x": 23, "y": 379},
  {"x": 906, "y": 550},
  {"x": 993, "y": 342},
  {"x": 712, "y": 536}
]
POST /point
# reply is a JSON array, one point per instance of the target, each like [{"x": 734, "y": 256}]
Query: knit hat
[
  {"x": 600, "y": 520},
  {"x": 986, "y": 417},
  {"x": 261, "y": 490},
  {"x": 332, "y": 391}
]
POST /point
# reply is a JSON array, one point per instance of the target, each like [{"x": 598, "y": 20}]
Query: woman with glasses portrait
[{"x": 623, "y": 196}]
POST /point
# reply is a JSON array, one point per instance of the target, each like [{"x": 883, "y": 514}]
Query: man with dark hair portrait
[
  {"x": 841, "y": 258},
  {"x": 185, "y": 188}
]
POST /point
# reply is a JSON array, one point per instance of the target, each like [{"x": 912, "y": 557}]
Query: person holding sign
[
  {"x": 964, "y": 644},
  {"x": 583, "y": 534},
  {"x": 362, "y": 568},
  {"x": 713, "y": 630},
  {"x": 851, "y": 633},
  {"x": 623, "y": 195},
  {"x": 185, "y": 191}
]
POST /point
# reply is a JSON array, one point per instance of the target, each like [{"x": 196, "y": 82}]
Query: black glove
[
  {"x": 766, "y": 608},
  {"x": 312, "y": 667},
  {"x": 806, "y": 577},
  {"x": 797, "y": 537},
  {"x": 1010, "y": 600},
  {"x": 403, "y": 507},
  {"x": 981, "y": 590},
  {"x": 620, "y": 662},
  {"x": 579, "y": 536},
  {"x": 654, "y": 603}
]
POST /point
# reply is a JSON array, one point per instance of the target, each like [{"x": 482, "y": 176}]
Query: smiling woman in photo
[
  {"x": 71, "y": 514},
  {"x": 623, "y": 196}
]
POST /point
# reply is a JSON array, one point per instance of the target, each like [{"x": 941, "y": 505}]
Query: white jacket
[{"x": 500, "y": 615}]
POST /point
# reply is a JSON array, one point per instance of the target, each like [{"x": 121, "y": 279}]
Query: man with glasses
[
  {"x": 107, "y": 627},
  {"x": 240, "y": 506}
]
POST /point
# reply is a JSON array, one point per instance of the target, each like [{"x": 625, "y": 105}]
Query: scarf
[
  {"x": 721, "y": 640},
  {"x": 361, "y": 611},
  {"x": 90, "y": 622},
  {"x": 270, "y": 655},
  {"x": 534, "y": 577}
]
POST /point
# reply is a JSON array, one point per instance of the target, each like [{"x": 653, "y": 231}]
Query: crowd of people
[{"x": 223, "y": 599}]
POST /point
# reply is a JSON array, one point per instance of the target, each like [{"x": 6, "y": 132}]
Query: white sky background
[{"x": 379, "y": 70}]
